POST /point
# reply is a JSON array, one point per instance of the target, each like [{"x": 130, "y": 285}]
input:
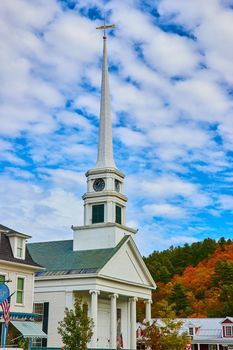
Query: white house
[
  {"x": 205, "y": 333},
  {"x": 102, "y": 262},
  {"x": 17, "y": 270}
]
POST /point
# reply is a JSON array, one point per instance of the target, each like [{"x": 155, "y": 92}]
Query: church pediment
[{"x": 127, "y": 265}]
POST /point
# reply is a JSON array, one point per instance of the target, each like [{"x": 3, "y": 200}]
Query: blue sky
[{"x": 171, "y": 82}]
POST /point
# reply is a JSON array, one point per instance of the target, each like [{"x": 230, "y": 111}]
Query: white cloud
[
  {"x": 167, "y": 187},
  {"x": 29, "y": 208},
  {"x": 201, "y": 99},
  {"x": 226, "y": 202},
  {"x": 131, "y": 138},
  {"x": 183, "y": 135},
  {"x": 162, "y": 46},
  {"x": 72, "y": 119},
  {"x": 164, "y": 210},
  {"x": 19, "y": 173},
  {"x": 164, "y": 236}
]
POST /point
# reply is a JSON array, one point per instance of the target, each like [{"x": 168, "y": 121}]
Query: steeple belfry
[
  {"x": 105, "y": 150},
  {"x": 104, "y": 200}
]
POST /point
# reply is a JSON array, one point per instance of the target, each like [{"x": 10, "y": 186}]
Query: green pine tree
[
  {"x": 179, "y": 298},
  {"x": 76, "y": 327}
]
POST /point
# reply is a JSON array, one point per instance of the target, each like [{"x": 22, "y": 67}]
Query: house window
[
  {"x": 42, "y": 311},
  {"x": 97, "y": 213},
  {"x": 228, "y": 331},
  {"x": 19, "y": 252},
  {"x": 118, "y": 214},
  {"x": 39, "y": 310},
  {"x": 212, "y": 347},
  {"x": 20, "y": 290},
  {"x": 190, "y": 331},
  {"x": 2, "y": 278},
  {"x": 37, "y": 342}
]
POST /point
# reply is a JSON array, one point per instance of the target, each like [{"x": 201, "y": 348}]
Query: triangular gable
[
  {"x": 127, "y": 265},
  {"x": 227, "y": 320}
]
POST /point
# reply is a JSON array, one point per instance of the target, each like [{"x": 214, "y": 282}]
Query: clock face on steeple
[{"x": 98, "y": 185}]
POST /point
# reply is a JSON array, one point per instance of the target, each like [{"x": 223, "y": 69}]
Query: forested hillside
[{"x": 196, "y": 279}]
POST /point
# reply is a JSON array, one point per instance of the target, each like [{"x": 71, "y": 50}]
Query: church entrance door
[{"x": 103, "y": 329}]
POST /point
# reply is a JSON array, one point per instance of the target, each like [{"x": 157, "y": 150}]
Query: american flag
[
  {"x": 6, "y": 310},
  {"x": 120, "y": 341}
]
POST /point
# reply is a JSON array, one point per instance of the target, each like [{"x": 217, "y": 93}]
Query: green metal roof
[{"x": 59, "y": 258}]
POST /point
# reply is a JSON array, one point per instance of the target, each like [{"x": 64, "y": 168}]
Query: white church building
[{"x": 102, "y": 263}]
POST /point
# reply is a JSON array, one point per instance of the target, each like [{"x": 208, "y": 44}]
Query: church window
[
  {"x": 118, "y": 322},
  {"x": 118, "y": 214},
  {"x": 97, "y": 213},
  {"x": 20, "y": 290},
  {"x": 117, "y": 185}
]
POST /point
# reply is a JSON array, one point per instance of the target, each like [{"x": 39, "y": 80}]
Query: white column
[
  {"x": 128, "y": 324},
  {"x": 133, "y": 323},
  {"x": 198, "y": 346},
  {"x": 113, "y": 324},
  {"x": 94, "y": 316},
  {"x": 218, "y": 347},
  {"x": 148, "y": 309}
]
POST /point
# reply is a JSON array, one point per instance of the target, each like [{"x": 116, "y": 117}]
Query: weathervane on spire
[{"x": 104, "y": 27}]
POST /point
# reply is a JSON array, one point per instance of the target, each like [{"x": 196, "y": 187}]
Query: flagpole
[{"x": 4, "y": 331}]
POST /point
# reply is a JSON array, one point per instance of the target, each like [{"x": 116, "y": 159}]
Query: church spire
[
  {"x": 105, "y": 149},
  {"x": 104, "y": 200}
]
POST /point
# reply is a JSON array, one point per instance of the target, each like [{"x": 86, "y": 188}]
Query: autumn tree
[
  {"x": 171, "y": 338},
  {"x": 165, "y": 333},
  {"x": 152, "y": 337},
  {"x": 204, "y": 269},
  {"x": 167, "y": 263},
  {"x": 76, "y": 327}
]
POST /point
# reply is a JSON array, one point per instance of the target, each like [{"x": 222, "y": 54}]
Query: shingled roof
[
  {"x": 59, "y": 258},
  {"x": 6, "y": 251}
]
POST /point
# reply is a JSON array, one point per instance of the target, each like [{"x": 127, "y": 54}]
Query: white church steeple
[
  {"x": 105, "y": 152},
  {"x": 104, "y": 201}
]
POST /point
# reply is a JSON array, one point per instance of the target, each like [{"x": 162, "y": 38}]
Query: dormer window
[
  {"x": 18, "y": 244},
  {"x": 228, "y": 331},
  {"x": 191, "y": 331},
  {"x": 227, "y": 327},
  {"x": 20, "y": 247}
]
